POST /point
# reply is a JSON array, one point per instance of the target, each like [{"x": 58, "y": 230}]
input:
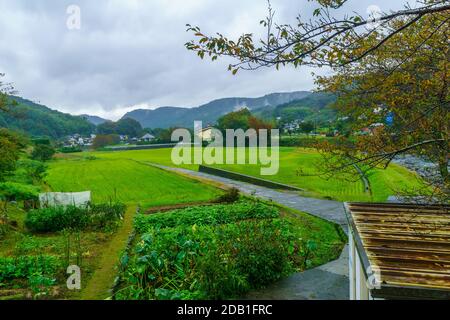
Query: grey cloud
[{"x": 132, "y": 52}]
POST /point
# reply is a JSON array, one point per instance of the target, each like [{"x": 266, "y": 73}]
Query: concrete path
[{"x": 326, "y": 282}]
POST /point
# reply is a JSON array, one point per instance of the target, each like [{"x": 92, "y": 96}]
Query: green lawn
[
  {"x": 298, "y": 167},
  {"x": 127, "y": 180}
]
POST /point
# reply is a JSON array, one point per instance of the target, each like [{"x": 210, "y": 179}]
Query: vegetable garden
[{"x": 221, "y": 251}]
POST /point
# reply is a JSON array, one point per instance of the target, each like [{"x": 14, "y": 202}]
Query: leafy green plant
[
  {"x": 207, "y": 215},
  {"x": 12, "y": 191},
  {"x": 55, "y": 219},
  {"x": 33, "y": 170},
  {"x": 24, "y": 267},
  {"x": 104, "y": 215},
  {"x": 215, "y": 252},
  {"x": 40, "y": 284}
]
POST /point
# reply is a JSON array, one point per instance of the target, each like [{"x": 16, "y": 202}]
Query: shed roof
[{"x": 409, "y": 245}]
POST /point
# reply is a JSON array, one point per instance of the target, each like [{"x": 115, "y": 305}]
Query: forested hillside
[
  {"x": 38, "y": 120},
  {"x": 314, "y": 107}
]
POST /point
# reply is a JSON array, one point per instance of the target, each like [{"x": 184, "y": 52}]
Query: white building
[
  {"x": 147, "y": 138},
  {"x": 206, "y": 134}
]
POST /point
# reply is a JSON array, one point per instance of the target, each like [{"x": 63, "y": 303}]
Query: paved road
[{"x": 326, "y": 282}]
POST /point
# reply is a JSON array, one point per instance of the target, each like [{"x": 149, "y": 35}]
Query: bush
[
  {"x": 12, "y": 191},
  {"x": 43, "y": 152},
  {"x": 55, "y": 219},
  {"x": 104, "y": 214},
  {"x": 30, "y": 171},
  {"x": 70, "y": 150},
  {"x": 232, "y": 195}
]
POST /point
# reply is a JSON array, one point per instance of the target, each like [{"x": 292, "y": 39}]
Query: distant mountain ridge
[
  {"x": 166, "y": 117},
  {"x": 95, "y": 120}
]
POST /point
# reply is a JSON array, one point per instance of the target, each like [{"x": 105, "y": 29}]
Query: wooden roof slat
[
  {"x": 410, "y": 244},
  {"x": 425, "y": 267},
  {"x": 402, "y": 250},
  {"x": 407, "y": 235},
  {"x": 407, "y": 245},
  {"x": 397, "y": 206},
  {"x": 423, "y": 257},
  {"x": 402, "y": 219}
]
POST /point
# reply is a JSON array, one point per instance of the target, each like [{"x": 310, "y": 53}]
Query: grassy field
[
  {"x": 126, "y": 181},
  {"x": 298, "y": 167}
]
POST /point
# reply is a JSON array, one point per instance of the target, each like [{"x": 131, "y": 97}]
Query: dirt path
[{"x": 99, "y": 286}]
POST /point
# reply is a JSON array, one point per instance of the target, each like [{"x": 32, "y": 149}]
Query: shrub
[
  {"x": 55, "y": 219},
  {"x": 73, "y": 149},
  {"x": 232, "y": 195},
  {"x": 104, "y": 214},
  {"x": 12, "y": 191},
  {"x": 43, "y": 152},
  {"x": 31, "y": 171}
]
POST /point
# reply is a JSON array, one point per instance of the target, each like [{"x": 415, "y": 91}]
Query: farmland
[
  {"x": 41, "y": 243},
  {"x": 33, "y": 264},
  {"x": 221, "y": 252},
  {"x": 299, "y": 167},
  {"x": 126, "y": 181}
]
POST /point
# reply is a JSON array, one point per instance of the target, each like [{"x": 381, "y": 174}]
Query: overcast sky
[{"x": 131, "y": 53}]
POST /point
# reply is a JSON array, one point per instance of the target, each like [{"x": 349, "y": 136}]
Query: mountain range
[
  {"x": 167, "y": 117},
  {"x": 38, "y": 120}
]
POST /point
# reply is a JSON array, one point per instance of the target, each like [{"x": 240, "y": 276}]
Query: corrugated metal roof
[{"x": 408, "y": 244}]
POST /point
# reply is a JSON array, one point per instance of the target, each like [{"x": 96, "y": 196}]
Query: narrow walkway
[
  {"x": 327, "y": 282},
  {"x": 99, "y": 286}
]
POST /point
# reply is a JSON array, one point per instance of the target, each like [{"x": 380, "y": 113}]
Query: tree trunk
[{"x": 443, "y": 170}]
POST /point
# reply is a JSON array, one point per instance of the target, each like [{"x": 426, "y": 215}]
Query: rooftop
[{"x": 409, "y": 244}]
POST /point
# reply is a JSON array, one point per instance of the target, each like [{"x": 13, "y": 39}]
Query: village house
[
  {"x": 147, "y": 138},
  {"x": 206, "y": 134}
]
